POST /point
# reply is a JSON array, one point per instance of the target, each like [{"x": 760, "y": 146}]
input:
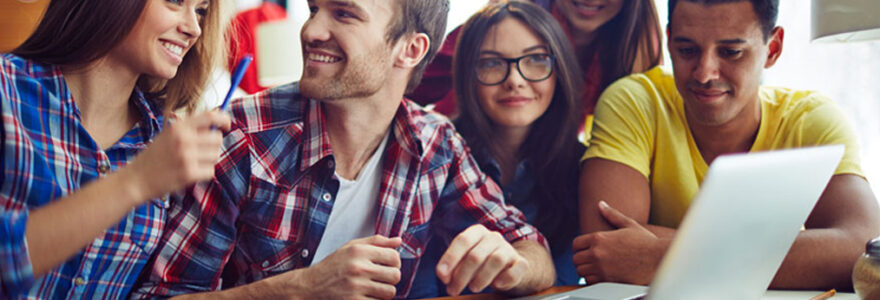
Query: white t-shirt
[{"x": 355, "y": 211}]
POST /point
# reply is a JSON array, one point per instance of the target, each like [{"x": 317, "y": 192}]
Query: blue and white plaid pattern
[{"x": 46, "y": 155}]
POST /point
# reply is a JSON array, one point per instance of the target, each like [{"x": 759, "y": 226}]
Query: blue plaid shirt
[
  {"x": 46, "y": 155},
  {"x": 274, "y": 188}
]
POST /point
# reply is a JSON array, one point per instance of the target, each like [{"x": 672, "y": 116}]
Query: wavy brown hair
[
  {"x": 75, "y": 33},
  {"x": 629, "y": 42},
  {"x": 551, "y": 145}
]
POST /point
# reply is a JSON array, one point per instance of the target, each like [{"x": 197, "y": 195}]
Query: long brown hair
[
  {"x": 629, "y": 42},
  {"x": 75, "y": 33},
  {"x": 551, "y": 145}
]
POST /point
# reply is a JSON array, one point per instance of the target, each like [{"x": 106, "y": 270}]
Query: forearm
[
  {"x": 283, "y": 286},
  {"x": 542, "y": 273},
  {"x": 820, "y": 259},
  {"x": 59, "y": 230}
]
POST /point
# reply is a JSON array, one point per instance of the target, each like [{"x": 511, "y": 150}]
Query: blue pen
[{"x": 237, "y": 74}]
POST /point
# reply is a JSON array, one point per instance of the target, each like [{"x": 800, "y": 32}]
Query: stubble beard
[{"x": 360, "y": 77}]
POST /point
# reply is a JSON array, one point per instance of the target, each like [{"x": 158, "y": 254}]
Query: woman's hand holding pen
[{"x": 184, "y": 153}]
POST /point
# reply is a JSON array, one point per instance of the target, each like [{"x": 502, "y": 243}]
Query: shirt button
[
  {"x": 103, "y": 168},
  {"x": 305, "y": 253},
  {"x": 79, "y": 281},
  {"x": 327, "y": 197},
  {"x": 330, "y": 164},
  {"x": 265, "y": 263}
]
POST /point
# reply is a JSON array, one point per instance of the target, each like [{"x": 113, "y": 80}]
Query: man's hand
[
  {"x": 360, "y": 269},
  {"x": 628, "y": 254},
  {"x": 478, "y": 258}
]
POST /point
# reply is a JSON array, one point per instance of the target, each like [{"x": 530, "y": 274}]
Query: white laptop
[{"x": 738, "y": 230}]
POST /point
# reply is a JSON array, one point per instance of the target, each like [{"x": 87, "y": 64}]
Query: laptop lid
[
  {"x": 738, "y": 229},
  {"x": 748, "y": 212}
]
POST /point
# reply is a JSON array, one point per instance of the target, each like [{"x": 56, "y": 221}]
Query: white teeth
[
  {"x": 587, "y": 6},
  {"x": 323, "y": 58},
  {"x": 173, "y": 48}
]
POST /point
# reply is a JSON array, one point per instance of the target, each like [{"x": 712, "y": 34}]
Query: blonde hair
[{"x": 183, "y": 92}]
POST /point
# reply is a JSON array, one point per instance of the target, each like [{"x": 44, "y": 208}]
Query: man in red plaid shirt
[{"x": 332, "y": 187}]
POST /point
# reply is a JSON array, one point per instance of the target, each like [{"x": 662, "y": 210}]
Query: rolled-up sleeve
[{"x": 16, "y": 271}]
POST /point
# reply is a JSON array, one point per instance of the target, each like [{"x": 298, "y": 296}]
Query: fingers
[
  {"x": 477, "y": 258},
  {"x": 583, "y": 242},
  {"x": 460, "y": 246},
  {"x": 470, "y": 264},
  {"x": 210, "y": 119},
  {"x": 380, "y": 291},
  {"x": 511, "y": 276},
  {"x": 382, "y": 257},
  {"x": 385, "y": 242},
  {"x": 615, "y": 217}
]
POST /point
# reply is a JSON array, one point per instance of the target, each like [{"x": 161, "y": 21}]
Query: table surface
[{"x": 770, "y": 295}]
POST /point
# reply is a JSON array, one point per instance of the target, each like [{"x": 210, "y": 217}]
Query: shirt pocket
[
  {"x": 265, "y": 256},
  {"x": 146, "y": 224}
]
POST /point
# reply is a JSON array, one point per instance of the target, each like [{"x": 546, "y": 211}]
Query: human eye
[
  {"x": 178, "y": 2},
  {"x": 202, "y": 10},
  {"x": 538, "y": 59},
  {"x": 489, "y": 63},
  {"x": 313, "y": 9},
  {"x": 687, "y": 51},
  {"x": 344, "y": 14},
  {"x": 731, "y": 53}
]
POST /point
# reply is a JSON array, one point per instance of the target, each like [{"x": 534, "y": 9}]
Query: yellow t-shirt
[{"x": 640, "y": 122}]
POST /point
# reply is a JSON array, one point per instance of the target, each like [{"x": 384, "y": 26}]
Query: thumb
[{"x": 615, "y": 217}]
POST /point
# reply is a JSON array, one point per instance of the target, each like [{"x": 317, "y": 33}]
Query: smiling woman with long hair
[
  {"x": 85, "y": 168},
  {"x": 611, "y": 38},
  {"x": 518, "y": 84}
]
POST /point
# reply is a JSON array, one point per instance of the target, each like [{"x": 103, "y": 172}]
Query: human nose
[
  {"x": 706, "y": 69},
  {"x": 314, "y": 30},
  {"x": 190, "y": 25},
  {"x": 514, "y": 75}
]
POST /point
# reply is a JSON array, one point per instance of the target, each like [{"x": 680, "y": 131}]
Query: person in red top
[{"x": 612, "y": 38}]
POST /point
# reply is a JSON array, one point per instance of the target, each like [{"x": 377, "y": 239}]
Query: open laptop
[{"x": 738, "y": 229}]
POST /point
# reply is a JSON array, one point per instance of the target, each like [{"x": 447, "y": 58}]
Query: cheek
[
  {"x": 544, "y": 89},
  {"x": 486, "y": 95}
]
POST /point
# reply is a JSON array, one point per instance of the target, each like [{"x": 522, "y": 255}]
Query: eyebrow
[
  {"x": 349, "y": 5},
  {"x": 527, "y": 50},
  {"x": 724, "y": 42}
]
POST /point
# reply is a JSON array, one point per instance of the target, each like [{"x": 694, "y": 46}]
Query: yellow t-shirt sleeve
[
  {"x": 623, "y": 124},
  {"x": 826, "y": 124}
]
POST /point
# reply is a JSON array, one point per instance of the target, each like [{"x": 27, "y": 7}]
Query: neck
[
  {"x": 506, "y": 143},
  {"x": 101, "y": 92},
  {"x": 356, "y": 127},
  {"x": 735, "y": 136},
  {"x": 581, "y": 39}
]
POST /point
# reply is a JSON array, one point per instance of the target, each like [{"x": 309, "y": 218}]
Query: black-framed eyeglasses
[{"x": 532, "y": 67}]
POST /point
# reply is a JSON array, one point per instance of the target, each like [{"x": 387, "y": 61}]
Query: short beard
[{"x": 363, "y": 78}]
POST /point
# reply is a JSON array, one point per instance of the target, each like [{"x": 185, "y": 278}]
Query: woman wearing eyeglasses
[
  {"x": 517, "y": 81},
  {"x": 611, "y": 38}
]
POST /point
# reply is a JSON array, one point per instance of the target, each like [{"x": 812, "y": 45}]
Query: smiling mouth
[
  {"x": 708, "y": 96},
  {"x": 587, "y": 7},
  {"x": 323, "y": 58},
  {"x": 173, "y": 48}
]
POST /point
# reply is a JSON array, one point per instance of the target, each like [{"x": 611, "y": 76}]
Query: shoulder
[
  {"x": 641, "y": 90},
  {"x": 801, "y": 105},
  {"x": 436, "y": 133},
  {"x": 17, "y": 70},
  {"x": 270, "y": 109}
]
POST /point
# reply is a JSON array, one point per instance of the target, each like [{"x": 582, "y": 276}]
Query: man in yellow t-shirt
[{"x": 654, "y": 135}]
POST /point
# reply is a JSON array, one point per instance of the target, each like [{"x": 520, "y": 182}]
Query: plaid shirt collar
[{"x": 316, "y": 142}]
